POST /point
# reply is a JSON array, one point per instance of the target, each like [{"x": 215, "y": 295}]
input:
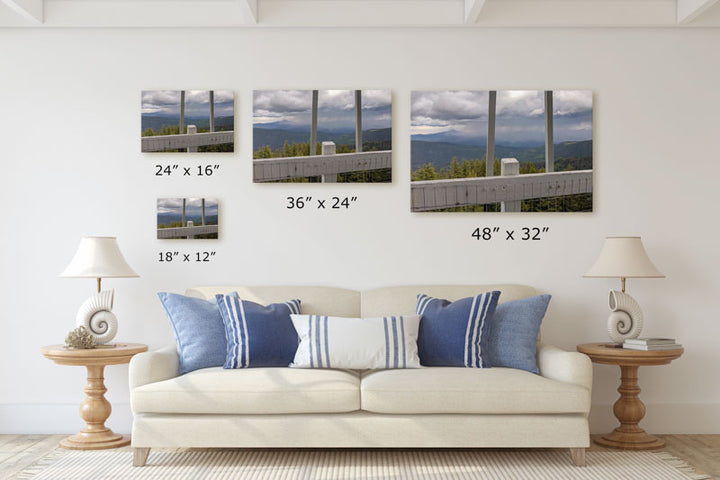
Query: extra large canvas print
[
  {"x": 539, "y": 145},
  {"x": 188, "y": 121},
  {"x": 328, "y": 136}
]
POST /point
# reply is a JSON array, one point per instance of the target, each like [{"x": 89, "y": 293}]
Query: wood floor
[{"x": 20, "y": 451}]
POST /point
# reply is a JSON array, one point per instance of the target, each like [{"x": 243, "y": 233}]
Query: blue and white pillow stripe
[
  {"x": 422, "y": 302},
  {"x": 318, "y": 341},
  {"x": 294, "y": 306},
  {"x": 455, "y": 333},
  {"x": 398, "y": 342},
  {"x": 475, "y": 327},
  {"x": 357, "y": 343},
  {"x": 238, "y": 338}
]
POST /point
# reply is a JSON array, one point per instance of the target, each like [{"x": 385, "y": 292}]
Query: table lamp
[
  {"x": 623, "y": 257},
  {"x": 98, "y": 257}
]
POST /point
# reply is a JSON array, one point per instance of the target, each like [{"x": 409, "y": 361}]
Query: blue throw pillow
[
  {"x": 258, "y": 336},
  {"x": 514, "y": 332},
  {"x": 199, "y": 331},
  {"x": 455, "y": 334}
]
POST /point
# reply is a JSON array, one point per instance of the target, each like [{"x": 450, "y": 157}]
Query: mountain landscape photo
[
  {"x": 450, "y": 130},
  {"x": 170, "y": 215},
  {"x": 161, "y": 112},
  {"x": 282, "y": 126}
]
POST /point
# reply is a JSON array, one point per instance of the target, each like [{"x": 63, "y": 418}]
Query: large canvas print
[
  {"x": 502, "y": 151},
  {"x": 188, "y": 121},
  {"x": 328, "y": 136},
  {"x": 187, "y": 218}
]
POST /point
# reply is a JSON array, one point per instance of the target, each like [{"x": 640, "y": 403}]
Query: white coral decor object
[
  {"x": 95, "y": 314},
  {"x": 626, "y": 319}
]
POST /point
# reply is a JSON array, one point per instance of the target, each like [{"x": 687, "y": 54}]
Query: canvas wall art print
[
  {"x": 188, "y": 121},
  {"x": 187, "y": 218},
  {"x": 539, "y": 145},
  {"x": 328, "y": 136}
]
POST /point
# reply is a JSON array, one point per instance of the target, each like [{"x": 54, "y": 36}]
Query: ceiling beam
[
  {"x": 689, "y": 10},
  {"x": 29, "y": 9},
  {"x": 472, "y": 10},
  {"x": 249, "y": 8},
  {"x": 578, "y": 13},
  {"x": 360, "y": 13}
]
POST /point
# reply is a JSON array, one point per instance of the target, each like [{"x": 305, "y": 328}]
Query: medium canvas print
[
  {"x": 188, "y": 121},
  {"x": 502, "y": 151},
  {"x": 187, "y": 218},
  {"x": 328, "y": 136}
]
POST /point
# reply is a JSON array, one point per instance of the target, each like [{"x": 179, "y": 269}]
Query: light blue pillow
[
  {"x": 257, "y": 335},
  {"x": 455, "y": 334},
  {"x": 513, "y": 333},
  {"x": 199, "y": 331}
]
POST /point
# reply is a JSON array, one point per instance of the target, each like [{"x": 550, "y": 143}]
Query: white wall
[{"x": 71, "y": 166}]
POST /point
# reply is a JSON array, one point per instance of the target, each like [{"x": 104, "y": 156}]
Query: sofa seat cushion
[
  {"x": 469, "y": 390},
  {"x": 252, "y": 391}
]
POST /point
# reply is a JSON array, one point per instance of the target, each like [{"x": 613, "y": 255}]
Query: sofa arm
[
  {"x": 151, "y": 367},
  {"x": 569, "y": 367}
]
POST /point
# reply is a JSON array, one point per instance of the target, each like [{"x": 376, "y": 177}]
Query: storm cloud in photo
[
  {"x": 197, "y": 103},
  {"x": 292, "y": 109},
  {"x": 193, "y": 206},
  {"x": 462, "y": 116}
]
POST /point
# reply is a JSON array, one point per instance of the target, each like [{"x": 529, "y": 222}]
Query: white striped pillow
[{"x": 356, "y": 343}]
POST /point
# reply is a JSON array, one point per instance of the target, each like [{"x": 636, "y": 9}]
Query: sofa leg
[
  {"x": 578, "y": 456},
  {"x": 140, "y": 456}
]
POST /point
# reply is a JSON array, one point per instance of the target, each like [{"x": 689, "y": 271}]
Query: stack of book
[{"x": 651, "y": 344}]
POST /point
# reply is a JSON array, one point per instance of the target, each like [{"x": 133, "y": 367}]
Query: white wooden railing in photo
[
  {"x": 189, "y": 141},
  {"x": 186, "y": 232},
  {"x": 509, "y": 189},
  {"x": 188, "y": 228},
  {"x": 327, "y": 165}
]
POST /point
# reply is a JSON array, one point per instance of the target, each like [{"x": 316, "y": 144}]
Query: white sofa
[{"x": 434, "y": 407}]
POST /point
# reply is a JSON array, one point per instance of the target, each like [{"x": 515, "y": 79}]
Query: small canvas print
[
  {"x": 188, "y": 121},
  {"x": 327, "y": 136},
  {"x": 187, "y": 218},
  {"x": 502, "y": 151}
]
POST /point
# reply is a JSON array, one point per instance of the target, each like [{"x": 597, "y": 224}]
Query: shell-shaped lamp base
[
  {"x": 96, "y": 315},
  {"x": 626, "y": 319}
]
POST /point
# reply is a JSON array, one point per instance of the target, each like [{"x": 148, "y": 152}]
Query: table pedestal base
[
  {"x": 630, "y": 440},
  {"x": 83, "y": 441},
  {"x": 95, "y": 409},
  {"x": 629, "y": 410}
]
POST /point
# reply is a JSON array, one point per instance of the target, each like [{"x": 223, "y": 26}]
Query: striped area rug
[{"x": 357, "y": 464}]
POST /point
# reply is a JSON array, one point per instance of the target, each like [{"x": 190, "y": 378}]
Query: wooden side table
[
  {"x": 95, "y": 409},
  {"x": 629, "y": 410}
]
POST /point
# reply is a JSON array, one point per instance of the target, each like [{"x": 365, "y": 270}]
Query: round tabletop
[
  {"x": 612, "y": 354},
  {"x": 113, "y": 354}
]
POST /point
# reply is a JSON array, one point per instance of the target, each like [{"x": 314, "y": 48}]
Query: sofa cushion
[
  {"x": 401, "y": 300},
  {"x": 340, "y": 302},
  {"x": 469, "y": 390},
  {"x": 251, "y": 391}
]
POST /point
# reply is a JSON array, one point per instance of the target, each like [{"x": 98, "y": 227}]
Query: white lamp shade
[
  {"x": 623, "y": 257},
  {"x": 98, "y": 257}
]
